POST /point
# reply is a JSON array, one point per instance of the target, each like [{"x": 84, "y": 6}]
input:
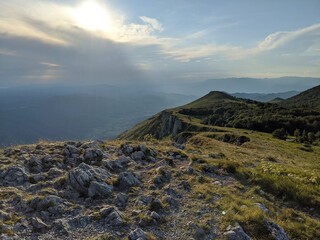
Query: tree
[
  {"x": 280, "y": 133},
  {"x": 304, "y": 137},
  {"x": 311, "y": 137},
  {"x": 297, "y": 134}
]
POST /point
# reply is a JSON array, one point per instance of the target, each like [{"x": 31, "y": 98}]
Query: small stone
[
  {"x": 236, "y": 233},
  {"x": 185, "y": 185},
  {"x": 4, "y": 216},
  {"x": 111, "y": 216},
  {"x": 127, "y": 180},
  {"x": 263, "y": 208},
  {"x": 39, "y": 225},
  {"x": 138, "y": 156},
  {"x": 163, "y": 176},
  {"x": 121, "y": 200},
  {"x": 155, "y": 215},
  {"x": 277, "y": 232},
  {"x": 127, "y": 149},
  {"x": 156, "y": 205},
  {"x": 93, "y": 155},
  {"x": 99, "y": 189},
  {"x": 138, "y": 234},
  {"x": 190, "y": 170}
]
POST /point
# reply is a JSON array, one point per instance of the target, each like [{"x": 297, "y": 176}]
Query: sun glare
[{"x": 92, "y": 16}]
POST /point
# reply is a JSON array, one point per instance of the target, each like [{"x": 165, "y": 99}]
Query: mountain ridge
[{"x": 221, "y": 109}]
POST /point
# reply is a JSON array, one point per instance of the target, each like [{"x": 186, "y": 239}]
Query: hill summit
[
  {"x": 211, "y": 99},
  {"x": 309, "y": 98}
]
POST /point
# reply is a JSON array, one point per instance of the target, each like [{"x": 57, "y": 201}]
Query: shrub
[{"x": 280, "y": 133}]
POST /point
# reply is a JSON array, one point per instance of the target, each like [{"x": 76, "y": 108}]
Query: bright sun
[{"x": 92, "y": 16}]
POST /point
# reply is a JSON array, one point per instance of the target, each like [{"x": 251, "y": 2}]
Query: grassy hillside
[
  {"x": 196, "y": 190},
  {"x": 295, "y": 116},
  {"x": 309, "y": 99},
  {"x": 233, "y": 134}
]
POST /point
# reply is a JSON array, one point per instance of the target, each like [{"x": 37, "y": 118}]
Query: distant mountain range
[
  {"x": 247, "y": 85},
  {"x": 266, "y": 97}
]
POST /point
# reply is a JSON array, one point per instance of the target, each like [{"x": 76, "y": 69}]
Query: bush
[{"x": 280, "y": 133}]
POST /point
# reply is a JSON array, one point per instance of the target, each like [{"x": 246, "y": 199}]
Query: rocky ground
[{"x": 112, "y": 190}]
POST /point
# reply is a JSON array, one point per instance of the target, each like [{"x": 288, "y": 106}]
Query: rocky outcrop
[
  {"x": 85, "y": 176},
  {"x": 170, "y": 125},
  {"x": 14, "y": 176},
  {"x": 160, "y": 126},
  {"x": 135, "y": 190}
]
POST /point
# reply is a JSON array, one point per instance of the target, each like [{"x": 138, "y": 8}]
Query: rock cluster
[{"x": 76, "y": 190}]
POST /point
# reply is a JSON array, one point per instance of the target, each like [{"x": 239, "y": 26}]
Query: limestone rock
[
  {"x": 138, "y": 234},
  {"x": 80, "y": 178},
  {"x": 38, "y": 225},
  {"x": 97, "y": 189},
  {"x": 111, "y": 216},
  {"x": 127, "y": 180},
  {"x": 71, "y": 151},
  {"x": 236, "y": 233},
  {"x": 53, "y": 204},
  {"x": 15, "y": 176},
  {"x": 34, "y": 165},
  {"x": 121, "y": 200},
  {"x": 276, "y": 231},
  {"x": 93, "y": 155},
  {"x": 138, "y": 156}
]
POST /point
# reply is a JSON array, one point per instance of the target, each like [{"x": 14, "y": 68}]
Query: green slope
[{"x": 309, "y": 98}]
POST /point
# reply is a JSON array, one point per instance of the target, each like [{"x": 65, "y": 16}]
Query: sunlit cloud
[
  {"x": 92, "y": 16},
  {"x": 50, "y": 64},
  {"x": 278, "y": 39},
  {"x": 228, "y": 52},
  {"x": 91, "y": 39},
  {"x": 153, "y": 23}
]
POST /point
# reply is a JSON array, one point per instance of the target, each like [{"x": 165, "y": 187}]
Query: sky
[{"x": 122, "y": 42}]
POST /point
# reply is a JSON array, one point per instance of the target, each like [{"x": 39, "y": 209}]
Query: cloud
[
  {"x": 153, "y": 23},
  {"x": 42, "y": 41},
  {"x": 279, "y": 39},
  {"x": 53, "y": 23},
  {"x": 296, "y": 42},
  {"x": 53, "y": 65},
  {"x": 7, "y": 52},
  {"x": 18, "y": 18}
]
